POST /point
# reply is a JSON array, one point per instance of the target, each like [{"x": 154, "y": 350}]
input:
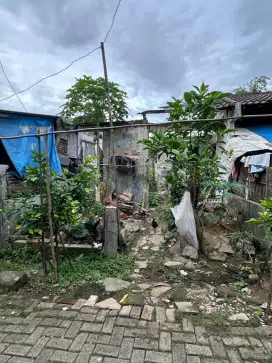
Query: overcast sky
[{"x": 156, "y": 50}]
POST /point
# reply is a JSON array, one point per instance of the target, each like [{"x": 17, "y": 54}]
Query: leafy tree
[
  {"x": 86, "y": 101},
  {"x": 257, "y": 84}
]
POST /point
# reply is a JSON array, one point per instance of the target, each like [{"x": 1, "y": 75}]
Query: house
[{"x": 251, "y": 148}]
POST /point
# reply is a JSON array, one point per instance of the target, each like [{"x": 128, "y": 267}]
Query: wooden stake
[{"x": 49, "y": 203}]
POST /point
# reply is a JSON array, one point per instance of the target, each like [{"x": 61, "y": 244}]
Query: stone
[
  {"x": 141, "y": 264},
  {"x": 170, "y": 315},
  {"x": 160, "y": 314},
  {"x": 217, "y": 256},
  {"x": 125, "y": 311},
  {"x": 190, "y": 265},
  {"x": 225, "y": 291},
  {"x": 264, "y": 306},
  {"x": 156, "y": 239},
  {"x": 145, "y": 248},
  {"x": 186, "y": 307},
  {"x": 158, "y": 357},
  {"x": 247, "y": 291},
  {"x": 155, "y": 248},
  {"x": 137, "y": 276},
  {"x": 144, "y": 286},
  {"x": 91, "y": 301},
  {"x": 240, "y": 316},
  {"x": 147, "y": 312},
  {"x": 201, "y": 350},
  {"x": 78, "y": 305},
  {"x": 165, "y": 341},
  {"x": 112, "y": 284},
  {"x": 178, "y": 294},
  {"x": 159, "y": 290},
  {"x": 12, "y": 280},
  {"x": 190, "y": 252},
  {"x": 110, "y": 304},
  {"x": 226, "y": 248},
  {"x": 173, "y": 264},
  {"x": 183, "y": 273},
  {"x": 253, "y": 278},
  {"x": 132, "y": 225}
]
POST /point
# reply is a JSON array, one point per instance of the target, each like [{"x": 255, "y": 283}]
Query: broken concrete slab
[
  {"x": 91, "y": 301},
  {"x": 217, "y": 256},
  {"x": 186, "y": 307},
  {"x": 240, "y": 316},
  {"x": 190, "y": 252},
  {"x": 110, "y": 304},
  {"x": 175, "y": 249},
  {"x": 141, "y": 264},
  {"x": 159, "y": 290},
  {"x": 112, "y": 284},
  {"x": 173, "y": 264},
  {"x": 226, "y": 248}
]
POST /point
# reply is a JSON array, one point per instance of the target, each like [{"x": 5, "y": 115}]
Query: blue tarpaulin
[
  {"x": 20, "y": 150},
  {"x": 262, "y": 130}
]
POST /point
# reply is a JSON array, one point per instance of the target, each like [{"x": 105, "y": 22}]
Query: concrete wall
[{"x": 133, "y": 179}]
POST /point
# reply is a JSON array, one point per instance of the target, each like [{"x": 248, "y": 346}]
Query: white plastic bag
[{"x": 185, "y": 220}]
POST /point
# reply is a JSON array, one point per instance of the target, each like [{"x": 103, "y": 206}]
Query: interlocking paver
[
  {"x": 117, "y": 335},
  {"x": 78, "y": 342},
  {"x": 45, "y": 356},
  {"x": 135, "y": 312},
  {"x": 35, "y": 335},
  {"x": 54, "y": 332},
  {"x": 108, "y": 325},
  {"x": 74, "y": 329},
  {"x": 217, "y": 347},
  {"x": 131, "y": 323},
  {"x": 193, "y": 359},
  {"x": 115, "y": 360},
  {"x": 234, "y": 356},
  {"x": 63, "y": 356},
  {"x": 125, "y": 311},
  {"x": 59, "y": 343},
  {"x": 147, "y": 312},
  {"x": 201, "y": 336},
  {"x": 236, "y": 341},
  {"x": 126, "y": 348},
  {"x": 38, "y": 347},
  {"x": 83, "y": 357},
  {"x": 2, "y": 336},
  {"x": 107, "y": 350},
  {"x": 146, "y": 343},
  {"x": 170, "y": 315},
  {"x": 138, "y": 356},
  {"x": 15, "y": 349},
  {"x": 20, "y": 360},
  {"x": 178, "y": 353},
  {"x": 202, "y": 350},
  {"x": 101, "y": 315},
  {"x": 257, "y": 353},
  {"x": 160, "y": 314},
  {"x": 4, "y": 358},
  {"x": 50, "y": 322},
  {"x": 85, "y": 317},
  {"x": 184, "y": 337},
  {"x": 15, "y": 338},
  {"x": 158, "y": 357},
  {"x": 165, "y": 341},
  {"x": 3, "y": 346},
  {"x": 91, "y": 327}
]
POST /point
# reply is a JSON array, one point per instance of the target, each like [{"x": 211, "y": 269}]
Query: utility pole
[{"x": 112, "y": 146}]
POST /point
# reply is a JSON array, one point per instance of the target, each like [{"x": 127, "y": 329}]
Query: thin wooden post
[
  {"x": 3, "y": 197},
  {"x": 49, "y": 204},
  {"x": 111, "y": 231}
]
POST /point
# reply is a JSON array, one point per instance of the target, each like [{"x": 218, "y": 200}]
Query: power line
[
  {"x": 15, "y": 93},
  {"x": 64, "y": 69}
]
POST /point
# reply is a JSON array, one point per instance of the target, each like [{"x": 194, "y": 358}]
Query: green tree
[
  {"x": 257, "y": 84},
  {"x": 86, "y": 101}
]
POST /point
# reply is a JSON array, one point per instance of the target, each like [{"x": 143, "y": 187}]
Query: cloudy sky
[{"x": 156, "y": 50}]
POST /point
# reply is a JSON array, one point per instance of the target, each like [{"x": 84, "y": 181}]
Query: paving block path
[{"x": 42, "y": 332}]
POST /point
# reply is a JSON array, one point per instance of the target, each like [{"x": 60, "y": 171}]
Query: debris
[
  {"x": 226, "y": 248},
  {"x": 65, "y": 308},
  {"x": 217, "y": 256},
  {"x": 190, "y": 265},
  {"x": 240, "y": 316},
  {"x": 144, "y": 286},
  {"x": 158, "y": 291},
  {"x": 132, "y": 225},
  {"x": 141, "y": 264},
  {"x": 110, "y": 304},
  {"x": 155, "y": 248},
  {"x": 173, "y": 264},
  {"x": 113, "y": 284},
  {"x": 247, "y": 291},
  {"x": 145, "y": 248},
  {"x": 190, "y": 252},
  {"x": 186, "y": 307},
  {"x": 183, "y": 273},
  {"x": 123, "y": 298}
]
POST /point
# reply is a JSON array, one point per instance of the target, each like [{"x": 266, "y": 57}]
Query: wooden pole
[
  {"x": 42, "y": 203},
  {"x": 49, "y": 203}
]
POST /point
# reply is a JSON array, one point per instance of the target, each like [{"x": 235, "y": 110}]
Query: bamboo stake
[{"x": 49, "y": 203}]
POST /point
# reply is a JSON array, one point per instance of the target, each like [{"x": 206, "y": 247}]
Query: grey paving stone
[
  {"x": 106, "y": 350},
  {"x": 83, "y": 357},
  {"x": 138, "y": 356},
  {"x": 85, "y": 317},
  {"x": 236, "y": 341},
  {"x": 63, "y": 356},
  {"x": 67, "y": 314},
  {"x": 267, "y": 344},
  {"x": 4, "y": 358},
  {"x": 13, "y": 328},
  {"x": 20, "y": 360},
  {"x": 101, "y": 315},
  {"x": 131, "y": 323},
  {"x": 165, "y": 341},
  {"x": 160, "y": 314},
  {"x": 50, "y": 322},
  {"x": 37, "y": 333},
  {"x": 178, "y": 352},
  {"x": 108, "y": 325},
  {"x": 170, "y": 315},
  {"x": 89, "y": 310},
  {"x": 193, "y": 359},
  {"x": 257, "y": 353},
  {"x": 30, "y": 328},
  {"x": 91, "y": 327},
  {"x": 38, "y": 347},
  {"x": 2, "y": 336},
  {"x": 217, "y": 346},
  {"x": 201, "y": 350},
  {"x": 65, "y": 324},
  {"x": 59, "y": 343},
  {"x": 98, "y": 338},
  {"x": 234, "y": 356},
  {"x": 184, "y": 337},
  {"x": 15, "y": 338},
  {"x": 152, "y": 329},
  {"x": 115, "y": 360},
  {"x": 45, "y": 356},
  {"x": 135, "y": 312},
  {"x": 135, "y": 333},
  {"x": 15, "y": 349},
  {"x": 3, "y": 346},
  {"x": 201, "y": 336},
  {"x": 88, "y": 347},
  {"x": 47, "y": 313},
  {"x": 54, "y": 332},
  {"x": 147, "y": 312},
  {"x": 78, "y": 342},
  {"x": 125, "y": 311},
  {"x": 146, "y": 343},
  {"x": 117, "y": 335},
  {"x": 96, "y": 359},
  {"x": 126, "y": 348},
  {"x": 74, "y": 329},
  {"x": 158, "y": 357},
  {"x": 113, "y": 313}
]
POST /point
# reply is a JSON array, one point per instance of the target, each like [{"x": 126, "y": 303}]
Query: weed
[
  {"x": 154, "y": 199},
  {"x": 238, "y": 285}
]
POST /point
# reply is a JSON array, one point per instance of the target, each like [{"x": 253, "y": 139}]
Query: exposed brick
[
  {"x": 4, "y": 358},
  {"x": 257, "y": 353},
  {"x": 234, "y": 356},
  {"x": 178, "y": 352},
  {"x": 91, "y": 327},
  {"x": 126, "y": 348},
  {"x": 171, "y": 327},
  {"x": 63, "y": 356},
  {"x": 117, "y": 335},
  {"x": 146, "y": 343},
  {"x": 147, "y": 312},
  {"x": 85, "y": 317},
  {"x": 47, "y": 313},
  {"x": 54, "y": 332},
  {"x": 236, "y": 341},
  {"x": 125, "y": 311},
  {"x": 45, "y": 356},
  {"x": 202, "y": 350},
  {"x": 165, "y": 341},
  {"x": 3, "y": 346},
  {"x": 187, "y": 325},
  {"x": 135, "y": 333},
  {"x": 135, "y": 312},
  {"x": 78, "y": 342},
  {"x": 15, "y": 349},
  {"x": 170, "y": 315},
  {"x": 131, "y": 323},
  {"x": 101, "y": 315},
  {"x": 138, "y": 356},
  {"x": 217, "y": 347},
  {"x": 201, "y": 336},
  {"x": 184, "y": 337},
  {"x": 73, "y": 330},
  {"x": 38, "y": 347},
  {"x": 50, "y": 322},
  {"x": 158, "y": 357},
  {"x": 108, "y": 350},
  {"x": 35, "y": 335},
  {"x": 59, "y": 343},
  {"x": 108, "y": 325}
]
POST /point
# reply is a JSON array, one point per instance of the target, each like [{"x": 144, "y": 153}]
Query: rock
[
  {"x": 132, "y": 225},
  {"x": 246, "y": 290},
  {"x": 264, "y": 306},
  {"x": 92, "y": 300},
  {"x": 173, "y": 264},
  {"x": 110, "y": 304},
  {"x": 112, "y": 284},
  {"x": 183, "y": 273},
  {"x": 12, "y": 280},
  {"x": 159, "y": 290},
  {"x": 225, "y": 291},
  {"x": 161, "y": 284},
  {"x": 156, "y": 239},
  {"x": 32, "y": 274},
  {"x": 144, "y": 286},
  {"x": 197, "y": 291},
  {"x": 137, "y": 277},
  {"x": 155, "y": 248},
  {"x": 253, "y": 278},
  {"x": 175, "y": 249},
  {"x": 45, "y": 298},
  {"x": 178, "y": 294},
  {"x": 168, "y": 236},
  {"x": 190, "y": 252},
  {"x": 190, "y": 265},
  {"x": 240, "y": 316},
  {"x": 217, "y": 256},
  {"x": 141, "y": 264},
  {"x": 134, "y": 299},
  {"x": 145, "y": 248},
  {"x": 226, "y": 248},
  {"x": 186, "y": 307}
]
